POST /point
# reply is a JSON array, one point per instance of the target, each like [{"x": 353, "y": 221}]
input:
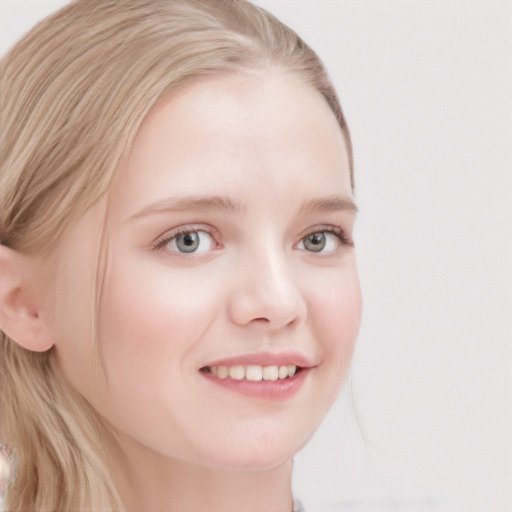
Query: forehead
[{"x": 226, "y": 135}]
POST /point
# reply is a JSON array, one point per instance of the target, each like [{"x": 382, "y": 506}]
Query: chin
[
  {"x": 255, "y": 462},
  {"x": 262, "y": 451}
]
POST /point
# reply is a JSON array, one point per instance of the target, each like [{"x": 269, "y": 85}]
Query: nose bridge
[{"x": 267, "y": 290}]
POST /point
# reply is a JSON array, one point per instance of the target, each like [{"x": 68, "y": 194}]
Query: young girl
[{"x": 179, "y": 294}]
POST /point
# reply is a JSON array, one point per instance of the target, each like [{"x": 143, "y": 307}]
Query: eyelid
[
  {"x": 166, "y": 237},
  {"x": 344, "y": 238}
]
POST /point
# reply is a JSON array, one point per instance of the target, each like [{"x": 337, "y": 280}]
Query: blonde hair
[{"x": 73, "y": 93}]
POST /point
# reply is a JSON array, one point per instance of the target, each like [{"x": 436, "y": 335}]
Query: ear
[{"x": 21, "y": 315}]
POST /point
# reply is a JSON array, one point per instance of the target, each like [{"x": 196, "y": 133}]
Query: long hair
[{"x": 73, "y": 93}]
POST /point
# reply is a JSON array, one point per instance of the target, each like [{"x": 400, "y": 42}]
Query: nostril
[{"x": 266, "y": 300}]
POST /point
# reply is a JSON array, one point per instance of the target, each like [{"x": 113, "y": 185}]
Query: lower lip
[{"x": 273, "y": 390}]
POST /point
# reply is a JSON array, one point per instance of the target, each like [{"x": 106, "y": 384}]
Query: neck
[{"x": 170, "y": 485}]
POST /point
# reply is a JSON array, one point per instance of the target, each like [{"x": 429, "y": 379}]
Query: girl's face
[{"x": 229, "y": 251}]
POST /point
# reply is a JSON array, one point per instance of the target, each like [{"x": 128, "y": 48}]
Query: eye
[
  {"x": 324, "y": 241},
  {"x": 186, "y": 242},
  {"x": 315, "y": 242}
]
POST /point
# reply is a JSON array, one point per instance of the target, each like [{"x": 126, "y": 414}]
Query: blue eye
[
  {"x": 190, "y": 242},
  {"x": 325, "y": 242},
  {"x": 315, "y": 242}
]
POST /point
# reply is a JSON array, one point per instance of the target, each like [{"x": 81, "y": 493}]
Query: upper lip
[{"x": 265, "y": 359}]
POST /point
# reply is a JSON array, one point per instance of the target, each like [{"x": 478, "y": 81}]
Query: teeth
[
  {"x": 237, "y": 372},
  {"x": 270, "y": 373},
  {"x": 222, "y": 372},
  {"x": 253, "y": 372},
  {"x": 283, "y": 372}
]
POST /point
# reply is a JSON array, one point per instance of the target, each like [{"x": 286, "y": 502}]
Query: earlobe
[{"x": 21, "y": 316}]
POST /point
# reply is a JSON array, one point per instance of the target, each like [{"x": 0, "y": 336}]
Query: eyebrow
[
  {"x": 329, "y": 204},
  {"x": 219, "y": 203},
  {"x": 185, "y": 203}
]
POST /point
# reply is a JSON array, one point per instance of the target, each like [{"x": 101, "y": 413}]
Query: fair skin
[{"x": 253, "y": 168}]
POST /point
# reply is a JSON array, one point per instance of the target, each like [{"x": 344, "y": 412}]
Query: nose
[{"x": 266, "y": 293}]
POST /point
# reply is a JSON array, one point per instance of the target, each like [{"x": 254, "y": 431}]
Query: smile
[
  {"x": 252, "y": 372},
  {"x": 264, "y": 376}
]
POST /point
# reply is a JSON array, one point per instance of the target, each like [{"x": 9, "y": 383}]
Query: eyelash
[
  {"x": 164, "y": 239},
  {"x": 335, "y": 230}
]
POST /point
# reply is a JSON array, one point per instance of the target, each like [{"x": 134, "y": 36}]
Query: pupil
[
  {"x": 188, "y": 242},
  {"x": 315, "y": 242}
]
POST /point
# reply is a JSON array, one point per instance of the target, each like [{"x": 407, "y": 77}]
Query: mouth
[
  {"x": 253, "y": 373},
  {"x": 263, "y": 376}
]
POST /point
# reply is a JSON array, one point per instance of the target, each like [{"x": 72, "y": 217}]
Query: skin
[{"x": 266, "y": 143}]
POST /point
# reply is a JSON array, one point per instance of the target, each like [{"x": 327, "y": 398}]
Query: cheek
[
  {"x": 336, "y": 313},
  {"x": 152, "y": 317},
  {"x": 153, "y": 320}
]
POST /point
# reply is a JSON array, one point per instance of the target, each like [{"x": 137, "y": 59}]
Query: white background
[{"x": 427, "y": 90}]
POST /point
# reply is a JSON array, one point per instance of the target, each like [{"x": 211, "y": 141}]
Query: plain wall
[{"x": 427, "y": 90}]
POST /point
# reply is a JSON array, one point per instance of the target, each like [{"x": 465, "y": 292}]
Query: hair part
[{"x": 73, "y": 94}]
